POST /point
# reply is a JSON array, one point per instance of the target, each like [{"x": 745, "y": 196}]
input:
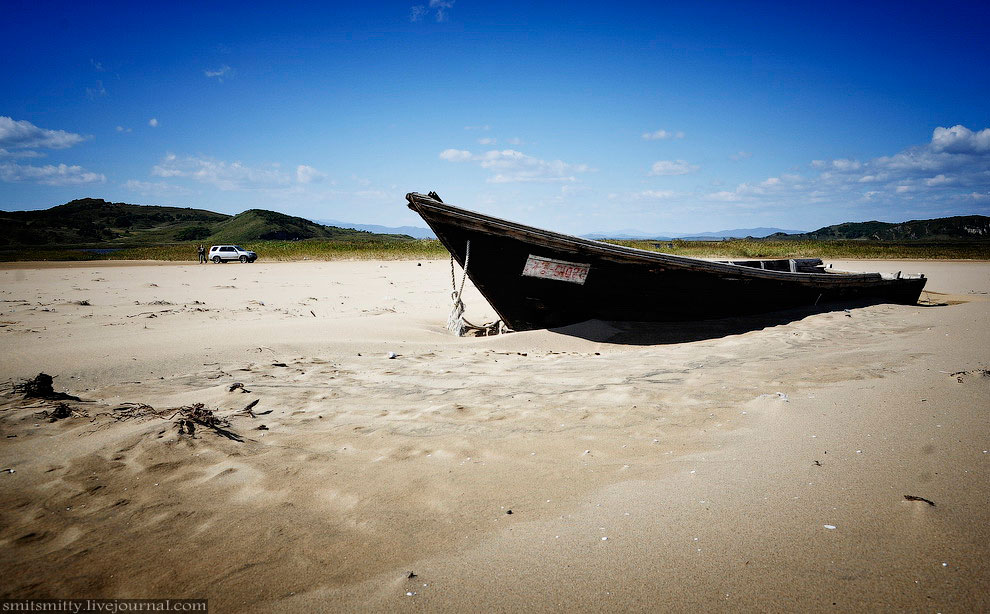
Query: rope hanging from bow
[{"x": 455, "y": 321}]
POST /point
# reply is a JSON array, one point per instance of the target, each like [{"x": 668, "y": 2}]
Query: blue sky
[{"x": 580, "y": 117}]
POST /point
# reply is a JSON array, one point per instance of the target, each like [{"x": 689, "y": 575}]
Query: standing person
[{"x": 202, "y": 254}]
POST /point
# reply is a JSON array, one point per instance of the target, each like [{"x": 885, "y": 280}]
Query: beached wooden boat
[{"x": 535, "y": 278}]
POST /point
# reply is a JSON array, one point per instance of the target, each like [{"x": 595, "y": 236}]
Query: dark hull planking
[{"x": 626, "y": 284}]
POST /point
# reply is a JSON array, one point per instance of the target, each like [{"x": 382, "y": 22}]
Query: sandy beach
[{"x": 753, "y": 464}]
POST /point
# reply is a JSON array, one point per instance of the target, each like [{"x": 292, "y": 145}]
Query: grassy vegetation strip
[
  {"x": 315, "y": 249},
  {"x": 827, "y": 250},
  {"x": 329, "y": 249}
]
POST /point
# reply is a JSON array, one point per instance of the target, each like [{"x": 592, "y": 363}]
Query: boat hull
[{"x": 539, "y": 279}]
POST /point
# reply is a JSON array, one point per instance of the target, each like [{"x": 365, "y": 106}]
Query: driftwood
[
  {"x": 191, "y": 415},
  {"x": 914, "y": 498},
  {"x": 249, "y": 407},
  {"x": 150, "y": 314}
]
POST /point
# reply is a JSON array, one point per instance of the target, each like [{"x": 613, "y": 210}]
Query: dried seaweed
[
  {"x": 191, "y": 415},
  {"x": 128, "y": 411}
]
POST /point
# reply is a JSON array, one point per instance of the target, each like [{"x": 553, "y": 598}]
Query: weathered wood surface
[{"x": 630, "y": 284}]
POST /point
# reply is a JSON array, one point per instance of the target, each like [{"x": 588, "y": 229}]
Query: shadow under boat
[{"x": 686, "y": 331}]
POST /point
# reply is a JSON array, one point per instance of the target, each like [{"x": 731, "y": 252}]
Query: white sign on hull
[{"x": 546, "y": 268}]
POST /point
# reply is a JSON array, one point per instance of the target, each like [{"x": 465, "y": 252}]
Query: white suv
[{"x": 226, "y": 253}]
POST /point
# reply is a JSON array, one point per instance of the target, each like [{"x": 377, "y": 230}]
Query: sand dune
[{"x": 755, "y": 464}]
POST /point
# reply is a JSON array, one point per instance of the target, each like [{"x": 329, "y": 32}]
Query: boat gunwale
[{"x": 417, "y": 200}]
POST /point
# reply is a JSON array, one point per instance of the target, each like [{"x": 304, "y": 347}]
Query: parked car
[{"x": 226, "y": 253}]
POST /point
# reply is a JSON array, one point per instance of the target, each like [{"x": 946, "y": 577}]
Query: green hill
[
  {"x": 96, "y": 221},
  {"x": 958, "y": 228},
  {"x": 93, "y": 222},
  {"x": 261, "y": 224}
]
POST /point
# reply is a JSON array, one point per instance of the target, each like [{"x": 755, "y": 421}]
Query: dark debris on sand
[
  {"x": 129, "y": 411},
  {"x": 41, "y": 388},
  {"x": 61, "y": 411},
  {"x": 191, "y": 415}
]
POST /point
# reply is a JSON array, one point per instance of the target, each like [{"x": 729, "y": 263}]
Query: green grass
[
  {"x": 332, "y": 249},
  {"x": 312, "y": 249},
  {"x": 828, "y": 250}
]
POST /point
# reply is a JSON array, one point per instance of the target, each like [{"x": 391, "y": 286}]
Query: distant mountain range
[
  {"x": 416, "y": 232},
  {"x": 93, "y": 221},
  {"x": 89, "y": 222},
  {"x": 958, "y": 228},
  {"x": 736, "y": 233}
]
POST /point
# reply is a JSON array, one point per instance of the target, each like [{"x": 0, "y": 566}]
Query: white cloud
[
  {"x": 960, "y": 139},
  {"x": 123, "y": 129},
  {"x": 371, "y": 194},
  {"x": 97, "y": 91},
  {"x": 653, "y": 195},
  {"x": 570, "y": 189},
  {"x": 514, "y": 166},
  {"x": 153, "y": 122},
  {"x": 20, "y": 153},
  {"x": 841, "y": 165},
  {"x": 49, "y": 174},
  {"x": 672, "y": 167},
  {"x": 657, "y": 135},
  {"x": 22, "y": 139},
  {"x": 308, "y": 174},
  {"x": 154, "y": 188},
  {"x": 441, "y": 7},
  {"x": 438, "y": 8},
  {"x": 741, "y": 155},
  {"x": 25, "y": 135},
  {"x": 952, "y": 169},
  {"x": 514, "y": 141},
  {"x": 846, "y": 165},
  {"x": 955, "y": 156},
  {"x": 769, "y": 188},
  {"x": 226, "y": 176},
  {"x": 487, "y": 141},
  {"x": 485, "y": 128},
  {"x": 939, "y": 179},
  {"x": 168, "y": 167},
  {"x": 219, "y": 73},
  {"x": 511, "y": 166},
  {"x": 455, "y": 155},
  {"x": 725, "y": 196}
]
